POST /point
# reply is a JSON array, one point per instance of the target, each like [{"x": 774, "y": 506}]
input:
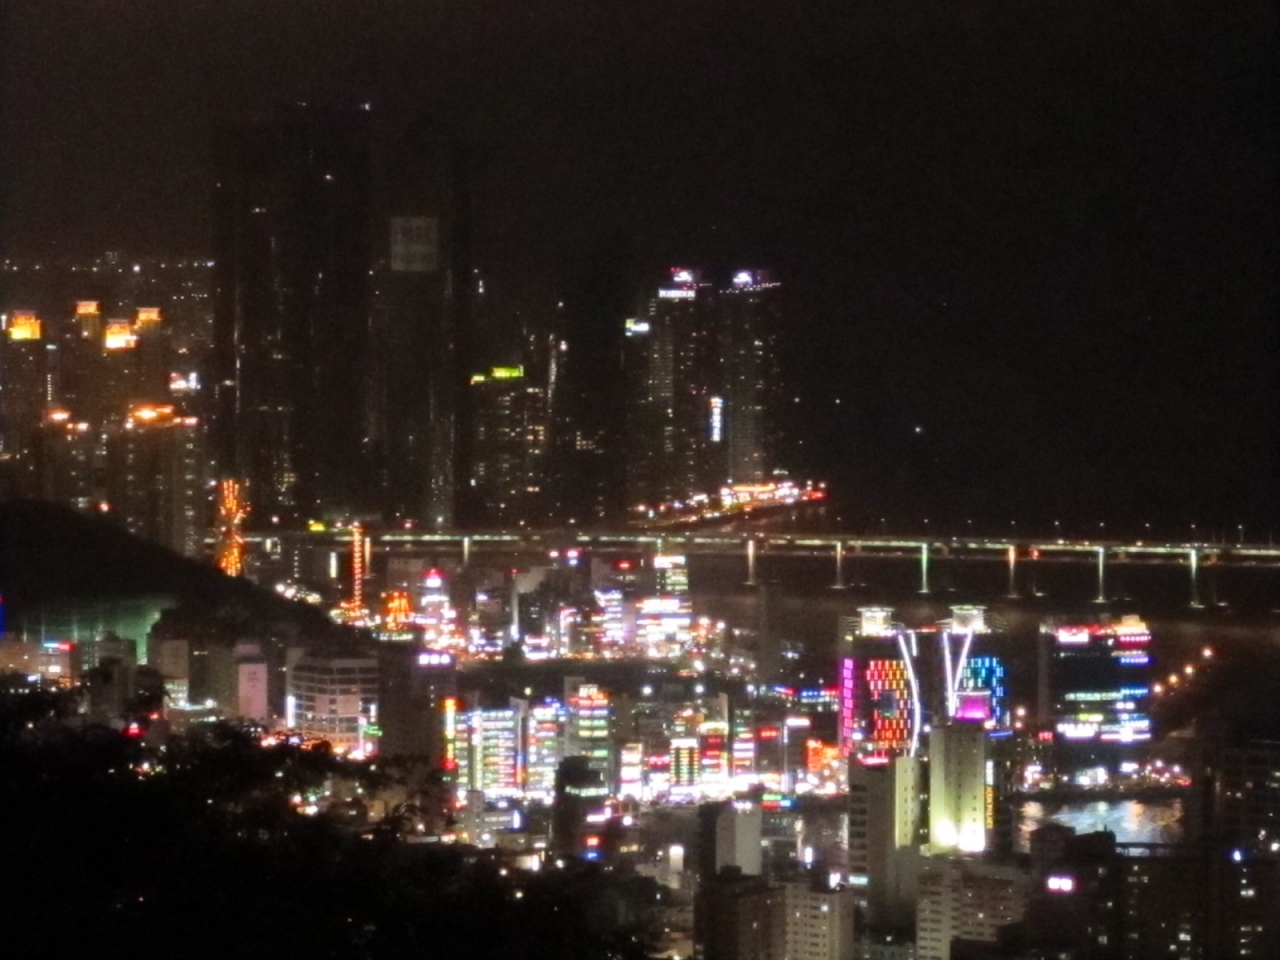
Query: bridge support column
[
  {"x": 1102, "y": 576},
  {"x": 1013, "y": 570},
  {"x": 466, "y": 552},
  {"x": 839, "y": 584},
  {"x": 1194, "y": 558},
  {"x": 924, "y": 567},
  {"x": 751, "y": 561}
]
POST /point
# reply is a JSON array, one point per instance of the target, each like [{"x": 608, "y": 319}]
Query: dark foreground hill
[{"x": 50, "y": 554}]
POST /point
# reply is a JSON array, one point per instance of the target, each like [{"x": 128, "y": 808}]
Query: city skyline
[{"x": 1019, "y": 282}]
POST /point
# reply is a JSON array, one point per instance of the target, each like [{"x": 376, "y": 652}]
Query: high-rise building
[
  {"x": 882, "y": 707},
  {"x": 413, "y": 688},
  {"x": 703, "y": 382},
  {"x": 885, "y": 826},
  {"x": 26, "y": 391},
  {"x": 155, "y": 477},
  {"x": 958, "y": 803},
  {"x": 729, "y": 835},
  {"x": 68, "y": 461},
  {"x": 293, "y": 219},
  {"x": 421, "y": 331},
  {"x": 491, "y": 751},
  {"x": 1098, "y": 689},
  {"x": 745, "y": 417},
  {"x": 588, "y": 726},
  {"x": 509, "y": 446},
  {"x": 675, "y": 388}
]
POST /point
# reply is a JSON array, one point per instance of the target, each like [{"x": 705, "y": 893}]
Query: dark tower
[
  {"x": 292, "y": 310},
  {"x": 422, "y": 340}
]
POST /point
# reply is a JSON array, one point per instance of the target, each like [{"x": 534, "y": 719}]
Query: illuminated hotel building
[
  {"x": 1099, "y": 686},
  {"x": 881, "y": 706},
  {"x": 893, "y": 682}
]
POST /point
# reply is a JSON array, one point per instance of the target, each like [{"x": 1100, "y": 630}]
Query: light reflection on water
[{"x": 1132, "y": 821}]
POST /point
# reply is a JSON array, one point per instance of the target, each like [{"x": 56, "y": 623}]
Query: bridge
[{"x": 841, "y": 549}]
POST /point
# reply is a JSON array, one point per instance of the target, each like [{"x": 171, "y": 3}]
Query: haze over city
[{"x": 655, "y": 480}]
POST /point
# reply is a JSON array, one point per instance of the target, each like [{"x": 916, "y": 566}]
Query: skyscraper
[
  {"x": 421, "y": 333},
  {"x": 747, "y": 415},
  {"x": 703, "y": 383},
  {"x": 509, "y": 449},
  {"x": 291, "y": 311}
]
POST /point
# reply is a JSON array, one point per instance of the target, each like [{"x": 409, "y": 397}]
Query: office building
[{"x": 730, "y": 835}]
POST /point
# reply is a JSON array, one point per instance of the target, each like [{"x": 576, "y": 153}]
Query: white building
[
  {"x": 966, "y": 899},
  {"x": 957, "y": 788},
  {"x": 884, "y": 836},
  {"x": 333, "y": 698},
  {"x": 819, "y": 923}
]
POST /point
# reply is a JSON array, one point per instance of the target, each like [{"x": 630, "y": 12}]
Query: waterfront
[{"x": 1132, "y": 821}]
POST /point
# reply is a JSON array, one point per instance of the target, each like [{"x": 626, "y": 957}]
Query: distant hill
[{"x": 50, "y": 554}]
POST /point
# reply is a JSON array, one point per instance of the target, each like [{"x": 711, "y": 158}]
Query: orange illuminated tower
[
  {"x": 358, "y": 547},
  {"x": 231, "y": 513}
]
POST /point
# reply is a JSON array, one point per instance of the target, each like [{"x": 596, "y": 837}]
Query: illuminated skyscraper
[
  {"x": 25, "y": 392},
  {"x": 1099, "y": 686},
  {"x": 747, "y": 412},
  {"x": 674, "y": 387},
  {"x": 589, "y": 729},
  {"x": 491, "y": 751},
  {"x": 957, "y": 788},
  {"x": 510, "y": 445},
  {"x": 155, "y": 478},
  {"x": 882, "y": 709}
]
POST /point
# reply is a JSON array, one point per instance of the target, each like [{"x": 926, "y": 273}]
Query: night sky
[{"x": 1031, "y": 246}]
